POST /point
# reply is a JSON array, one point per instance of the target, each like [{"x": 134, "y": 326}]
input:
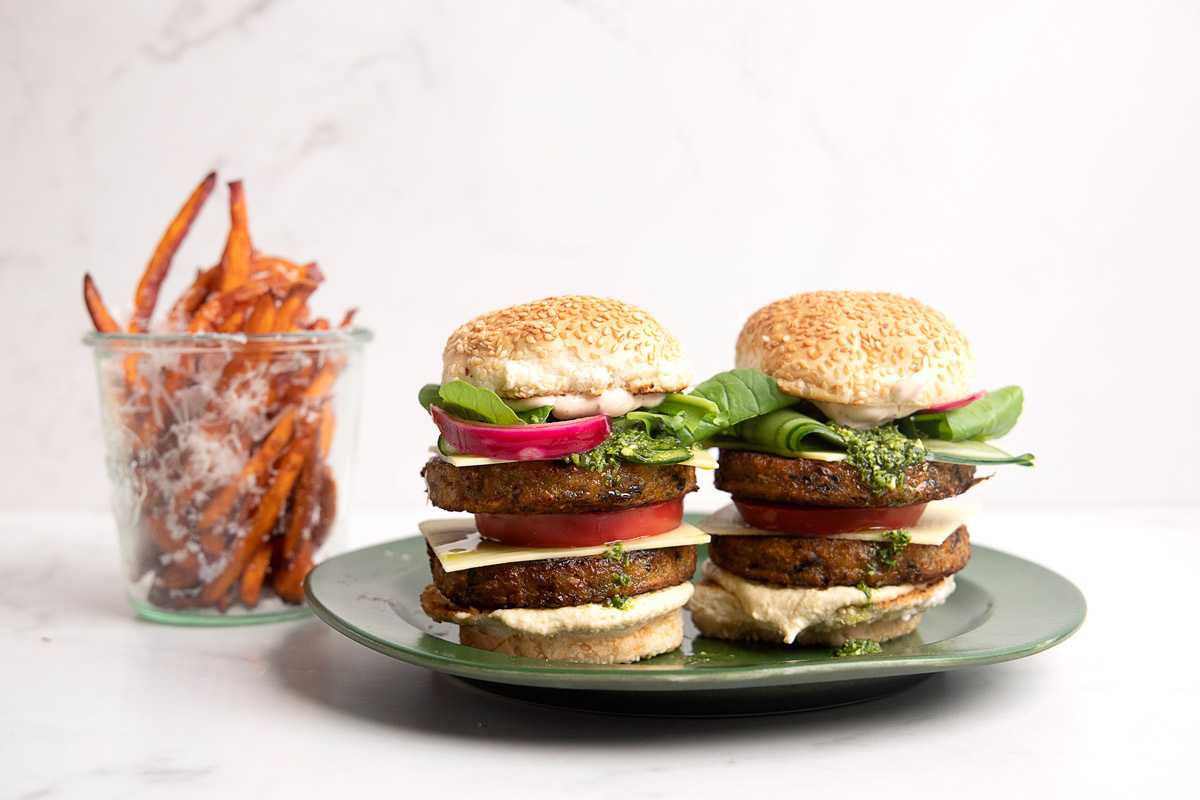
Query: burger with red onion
[
  {"x": 841, "y": 532},
  {"x": 565, "y": 433}
]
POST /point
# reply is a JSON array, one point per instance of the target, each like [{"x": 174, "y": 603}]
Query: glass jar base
[{"x": 211, "y": 619}]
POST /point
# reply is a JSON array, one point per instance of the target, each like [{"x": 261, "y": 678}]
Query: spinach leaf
[
  {"x": 989, "y": 417},
  {"x": 430, "y": 395},
  {"x": 739, "y": 394},
  {"x": 476, "y": 404},
  {"x": 535, "y": 416}
]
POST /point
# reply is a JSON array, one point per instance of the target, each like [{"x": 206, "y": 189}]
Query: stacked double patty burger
[
  {"x": 580, "y": 552},
  {"x": 838, "y": 530}
]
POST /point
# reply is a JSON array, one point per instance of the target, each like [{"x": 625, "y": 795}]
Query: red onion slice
[
  {"x": 953, "y": 404},
  {"x": 522, "y": 442}
]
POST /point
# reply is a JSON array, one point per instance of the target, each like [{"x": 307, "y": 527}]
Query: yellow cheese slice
[
  {"x": 940, "y": 519},
  {"x": 458, "y": 545},
  {"x": 809, "y": 455},
  {"x": 701, "y": 460}
]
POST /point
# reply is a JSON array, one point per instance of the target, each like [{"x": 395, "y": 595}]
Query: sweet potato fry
[
  {"x": 262, "y": 520},
  {"x": 262, "y": 265},
  {"x": 146, "y": 296},
  {"x": 238, "y": 249},
  {"x": 262, "y": 319},
  {"x": 288, "y": 582},
  {"x": 328, "y": 423},
  {"x": 103, "y": 320},
  {"x": 348, "y": 320},
  {"x": 192, "y": 298},
  {"x": 217, "y": 309},
  {"x": 305, "y": 498},
  {"x": 231, "y": 440},
  {"x": 252, "y": 577},
  {"x": 266, "y": 454},
  {"x": 324, "y": 524},
  {"x": 233, "y": 323},
  {"x": 292, "y": 306}
]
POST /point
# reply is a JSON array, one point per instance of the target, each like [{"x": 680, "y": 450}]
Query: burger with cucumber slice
[
  {"x": 860, "y": 419},
  {"x": 565, "y": 434}
]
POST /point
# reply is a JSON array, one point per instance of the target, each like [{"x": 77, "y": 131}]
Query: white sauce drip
[
  {"x": 861, "y": 417},
  {"x": 793, "y": 611},
  {"x": 587, "y": 620},
  {"x": 610, "y": 403}
]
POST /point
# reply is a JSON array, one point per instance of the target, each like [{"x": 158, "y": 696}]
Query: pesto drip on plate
[
  {"x": 858, "y": 647},
  {"x": 881, "y": 455}
]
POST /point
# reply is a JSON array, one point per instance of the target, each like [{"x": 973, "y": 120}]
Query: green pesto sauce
[
  {"x": 862, "y": 587},
  {"x": 881, "y": 455},
  {"x": 616, "y": 553},
  {"x": 856, "y": 616},
  {"x": 896, "y": 542},
  {"x": 629, "y": 441},
  {"x": 858, "y": 647}
]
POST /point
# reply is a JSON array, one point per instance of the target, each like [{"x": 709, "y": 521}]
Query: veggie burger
[
  {"x": 840, "y": 532},
  {"x": 563, "y": 431}
]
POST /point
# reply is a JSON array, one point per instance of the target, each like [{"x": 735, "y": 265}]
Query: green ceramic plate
[{"x": 1004, "y": 608}]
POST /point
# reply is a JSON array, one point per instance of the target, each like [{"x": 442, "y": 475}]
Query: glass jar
[{"x": 231, "y": 459}]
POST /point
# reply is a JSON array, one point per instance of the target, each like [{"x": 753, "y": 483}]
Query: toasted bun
[
  {"x": 719, "y": 614},
  {"x": 660, "y": 635},
  {"x": 566, "y": 345},
  {"x": 859, "y": 348},
  {"x": 655, "y": 626}
]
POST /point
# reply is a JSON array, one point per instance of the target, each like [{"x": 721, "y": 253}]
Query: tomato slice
[
  {"x": 581, "y": 530},
  {"x": 812, "y": 521}
]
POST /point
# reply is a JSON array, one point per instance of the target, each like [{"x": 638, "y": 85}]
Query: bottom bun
[
  {"x": 656, "y": 636},
  {"x": 591, "y": 634},
  {"x": 721, "y": 614}
]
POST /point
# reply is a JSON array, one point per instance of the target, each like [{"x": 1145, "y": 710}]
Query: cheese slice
[
  {"x": 939, "y": 519},
  {"x": 700, "y": 459},
  {"x": 458, "y": 545},
  {"x": 810, "y": 455}
]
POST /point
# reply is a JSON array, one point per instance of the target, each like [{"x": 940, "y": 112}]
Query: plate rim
[{"x": 957, "y": 652}]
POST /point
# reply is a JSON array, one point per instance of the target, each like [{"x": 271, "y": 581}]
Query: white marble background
[{"x": 1031, "y": 168}]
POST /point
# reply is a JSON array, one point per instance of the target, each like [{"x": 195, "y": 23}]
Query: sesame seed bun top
[
  {"x": 566, "y": 345},
  {"x": 868, "y": 349}
]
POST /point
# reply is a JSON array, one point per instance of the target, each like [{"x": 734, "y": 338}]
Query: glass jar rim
[{"x": 328, "y": 338}]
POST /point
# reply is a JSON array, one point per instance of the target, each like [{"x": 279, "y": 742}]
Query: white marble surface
[
  {"x": 97, "y": 703},
  {"x": 1029, "y": 167}
]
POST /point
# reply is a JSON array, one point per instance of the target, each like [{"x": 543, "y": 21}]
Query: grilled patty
[
  {"x": 815, "y": 562},
  {"x": 553, "y": 487},
  {"x": 833, "y": 484},
  {"x": 558, "y": 582}
]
